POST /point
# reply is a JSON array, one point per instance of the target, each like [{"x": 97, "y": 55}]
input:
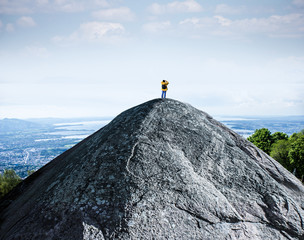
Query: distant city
[{"x": 32, "y": 143}]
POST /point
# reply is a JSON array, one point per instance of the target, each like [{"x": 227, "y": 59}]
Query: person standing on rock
[{"x": 164, "y": 85}]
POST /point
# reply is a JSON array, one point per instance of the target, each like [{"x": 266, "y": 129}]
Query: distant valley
[{"x": 28, "y": 145}]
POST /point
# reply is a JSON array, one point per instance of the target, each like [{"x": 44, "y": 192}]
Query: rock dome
[{"x": 160, "y": 170}]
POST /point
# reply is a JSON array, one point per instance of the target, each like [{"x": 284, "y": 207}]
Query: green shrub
[{"x": 8, "y": 180}]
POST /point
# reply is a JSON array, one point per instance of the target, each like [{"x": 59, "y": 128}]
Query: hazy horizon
[{"x": 217, "y": 117}]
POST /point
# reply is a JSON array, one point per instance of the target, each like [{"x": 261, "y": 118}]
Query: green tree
[
  {"x": 262, "y": 139},
  {"x": 30, "y": 172},
  {"x": 289, "y": 151},
  {"x": 296, "y": 155},
  {"x": 8, "y": 180},
  {"x": 279, "y": 136},
  {"x": 279, "y": 152},
  {"x": 295, "y": 136}
]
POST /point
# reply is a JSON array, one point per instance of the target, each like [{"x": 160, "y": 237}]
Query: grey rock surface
[{"x": 160, "y": 170}]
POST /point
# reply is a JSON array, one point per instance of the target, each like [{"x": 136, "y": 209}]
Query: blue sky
[{"x": 77, "y": 58}]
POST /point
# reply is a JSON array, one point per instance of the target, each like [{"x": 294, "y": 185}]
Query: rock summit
[{"x": 160, "y": 170}]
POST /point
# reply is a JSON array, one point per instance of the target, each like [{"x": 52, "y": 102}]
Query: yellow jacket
[{"x": 164, "y": 85}]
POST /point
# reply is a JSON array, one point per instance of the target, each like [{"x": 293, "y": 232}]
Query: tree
[
  {"x": 30, "y": 172},
  {"x": 289, "y": 151},
  {"x": 295, "y": 136},
  {"x": 8, "y": 180},
  {"x": 296, "y": 155},
  {"x": 262, "y": 139},
  {"x": 279, "y": 151},
  {"x": 279, "y": 136}
]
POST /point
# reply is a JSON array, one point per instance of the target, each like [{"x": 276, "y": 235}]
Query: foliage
[
  {"x": 8, "y": 180},
  {"x": 295, "y": 136},
  {"x": 279, "y": 152},
  {"x": 262, "y": 139},
  {"x": 289, "y": 151},
  {"x": 30, "y": 172},
  {"x": 279, "y": 136},
  {"x": 296, "y": 156}
]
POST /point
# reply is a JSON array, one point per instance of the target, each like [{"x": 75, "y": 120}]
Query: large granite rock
[{"x": 160, "y": 170}]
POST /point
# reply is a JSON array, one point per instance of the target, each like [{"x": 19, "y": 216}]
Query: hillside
[{"x": 8, "y": 125}]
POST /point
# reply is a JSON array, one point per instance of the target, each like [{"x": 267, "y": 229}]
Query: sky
[{"x": 91, "y": 58}]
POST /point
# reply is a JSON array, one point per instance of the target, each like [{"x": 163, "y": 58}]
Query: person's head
[{"x": 164, "y": 80}]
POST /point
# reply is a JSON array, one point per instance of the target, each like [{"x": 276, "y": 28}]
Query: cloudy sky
[{"x": 77, "y": 58}]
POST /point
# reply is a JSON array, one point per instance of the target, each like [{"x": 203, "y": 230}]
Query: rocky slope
[{"x": 160, "y": 170}]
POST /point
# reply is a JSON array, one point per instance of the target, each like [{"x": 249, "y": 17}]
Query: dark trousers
[{"x": 163, "y": 94}]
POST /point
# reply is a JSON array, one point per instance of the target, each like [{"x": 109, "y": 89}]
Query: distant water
[
  {"x": 75, "y": 129},
  {"x": 245, "y": 126},
  {"x": 88, "y": 125}
]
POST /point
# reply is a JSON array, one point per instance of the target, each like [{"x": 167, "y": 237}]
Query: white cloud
[
  {"x": 156, "y": 8},
  {"x": 291, "y": 25},
  {"x": 298, "y": 3},
  {"x": 122, "y": 13},
  {"x": 186, "y": 6},
  {"x": 94, "y": 32},
  {"x": 225, "y": 9},
  {"x": 206, "y": 26},
  {"x": 10, "y": 27},
  {"x": 155, "y": 27},
  {"x": 26, "y": 22},
  {"x": 288, "y": 25},
  {"x": 175, "y": 7},
  {"x": 223, "y": 21}
]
